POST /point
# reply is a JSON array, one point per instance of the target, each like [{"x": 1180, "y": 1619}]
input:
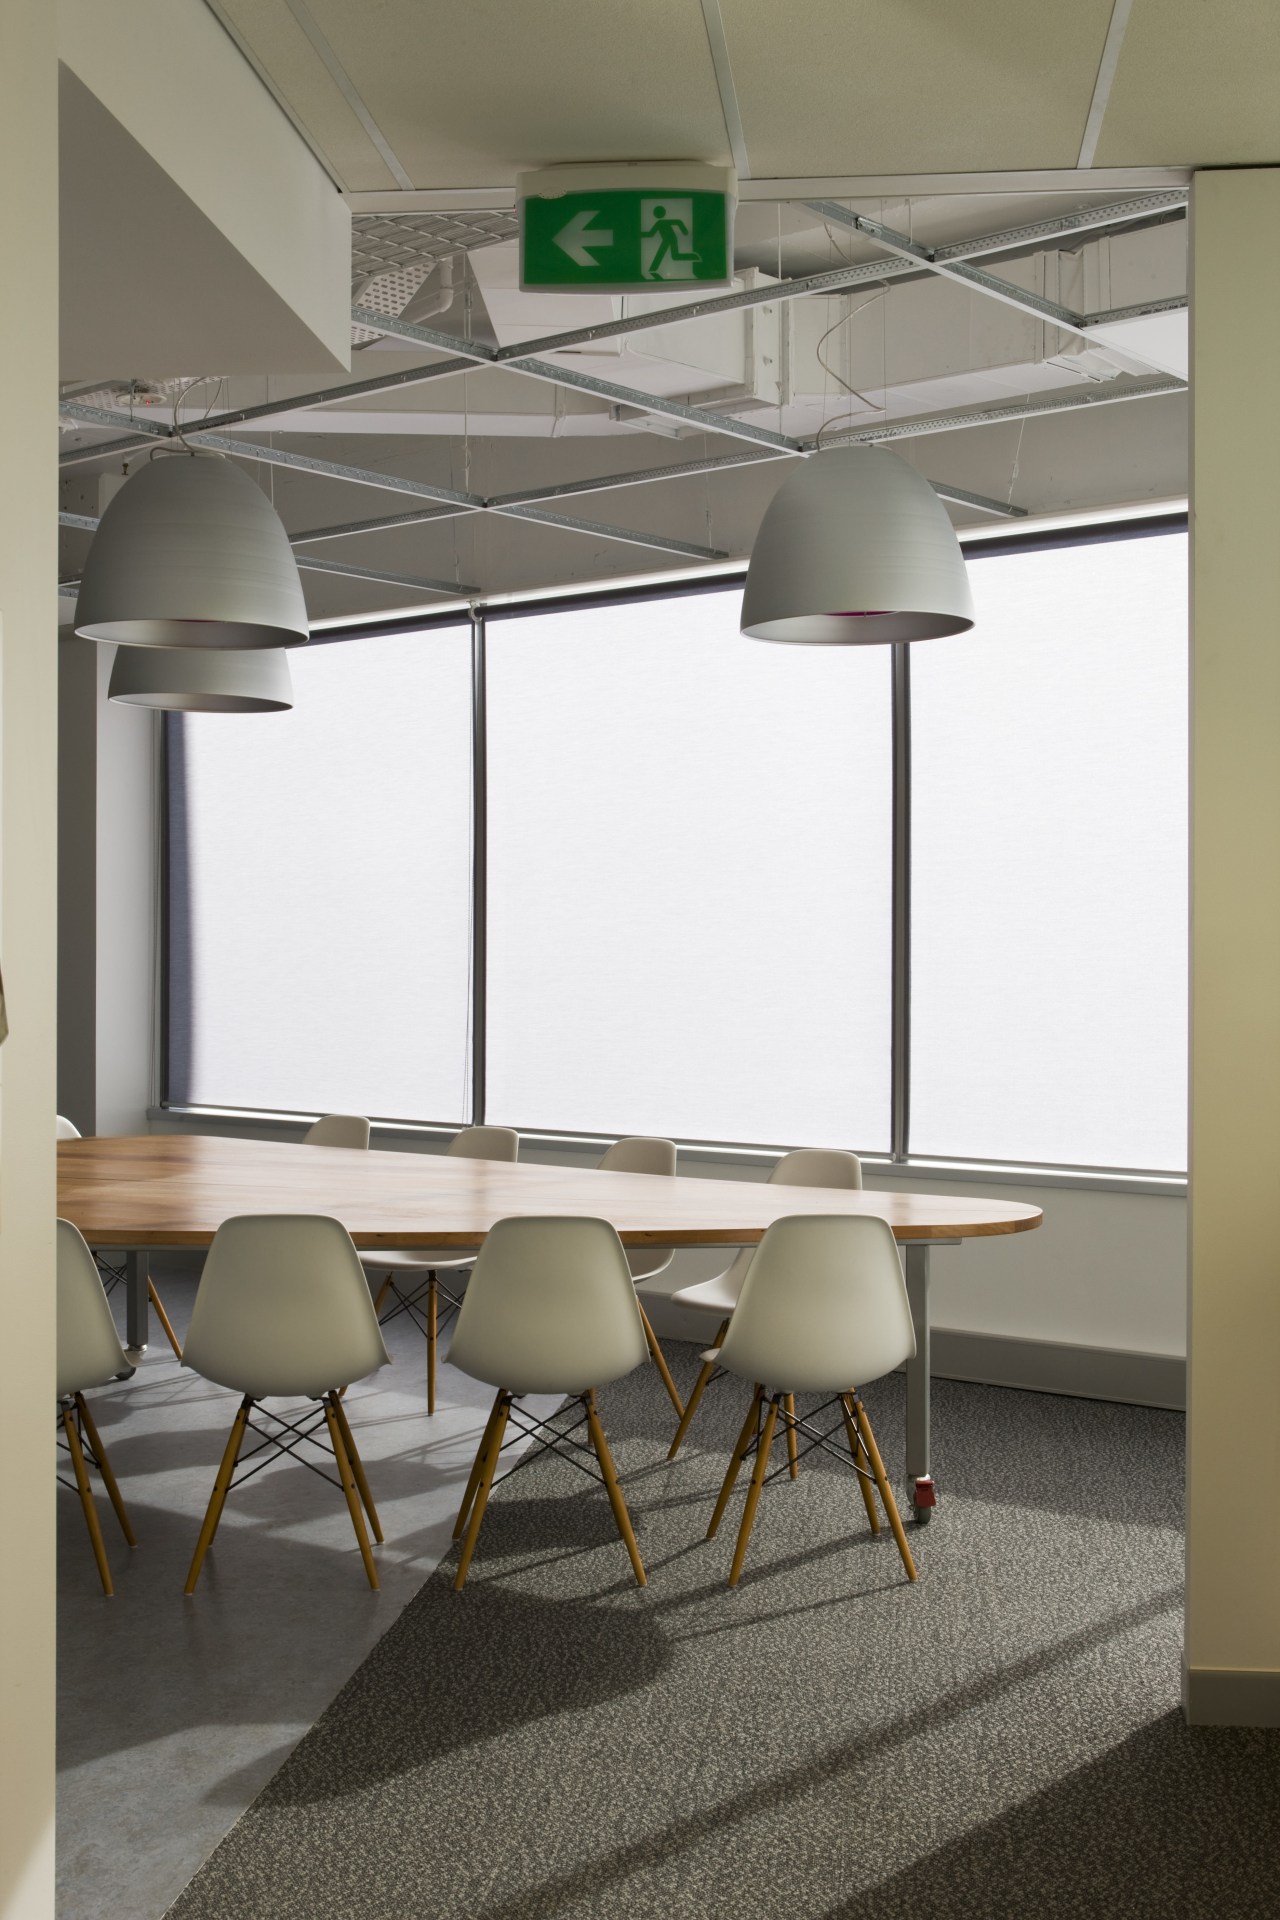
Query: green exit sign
[{"x": 629, "y": 229}]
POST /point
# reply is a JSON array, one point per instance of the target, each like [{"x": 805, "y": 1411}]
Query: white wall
[
  {"x": 128, "y": 903},
  {"x": 28, "y": 907},
  {"x": 1233, "y": 1524},
  {"x": 108, "y": 897},
  {"x": 239, "y": 254}
]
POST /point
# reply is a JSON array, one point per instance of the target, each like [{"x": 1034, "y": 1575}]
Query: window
[
  {"x": 688, "y": 840},
  {"x": 689, "y": 877},
  {"x": 1049, "y": 862},
  {"x": 320, "y": 888}
]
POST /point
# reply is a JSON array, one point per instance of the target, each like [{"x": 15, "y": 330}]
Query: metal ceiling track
[
  {"x": 452, "y": 502},
  {"x": 453, "y": 589},
  {"x": 908, "y": 259},
  {"x": 521, "y": 505},
  {"x": 459, "y": 357},
  {"x": 952, "y": 265},
  {"x": 1061, "y": 400}
]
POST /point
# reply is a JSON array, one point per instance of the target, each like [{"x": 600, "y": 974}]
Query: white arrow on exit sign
[{"x": 579, "y": 236}]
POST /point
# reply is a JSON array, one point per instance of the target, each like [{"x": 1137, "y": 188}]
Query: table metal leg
[
  {"x": 919, "y": 1477},
  {"x": 137, "y": 1273}
]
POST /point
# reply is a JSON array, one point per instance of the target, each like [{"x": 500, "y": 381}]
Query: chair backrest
[
  {"x": 485, "y": 1143},
  {"x": 89, "y": 1350},
  {"x": 338, "y": 1130},
  {"x": 639, "y": 1154},
  {"x": 818, "y": 1167},
  {"x": 283, "y": 1307},
  {"x": 67, "y": 1129},
  {"x": 550, "y": 1308},
  {"x": 823, "y": 1307}
]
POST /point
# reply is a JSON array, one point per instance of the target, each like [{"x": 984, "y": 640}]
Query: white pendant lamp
[
  {"x": 190, "y": 553},
  {"x": 203, "y": 679},
  {"x": 856, "y": 547}
]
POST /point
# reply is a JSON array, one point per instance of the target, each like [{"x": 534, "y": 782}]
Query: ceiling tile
[
  {"x": 469, "y": 91},
  {"x": 298, "y": 76},
  {"x": 1197, "y": 84},
  {"x": 858, "y": 87}
]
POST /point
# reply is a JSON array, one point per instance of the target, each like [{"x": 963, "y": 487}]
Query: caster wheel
[{"x": 924, "y": 1498}]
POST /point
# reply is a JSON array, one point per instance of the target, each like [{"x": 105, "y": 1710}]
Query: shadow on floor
[{"x": 1175, "y": 1823}]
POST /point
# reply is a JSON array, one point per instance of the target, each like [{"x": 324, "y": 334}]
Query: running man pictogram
[{"x": 661, "y": 254}]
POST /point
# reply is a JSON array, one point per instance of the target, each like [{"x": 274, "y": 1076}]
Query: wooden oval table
[{"x": 175, "y": 1190}]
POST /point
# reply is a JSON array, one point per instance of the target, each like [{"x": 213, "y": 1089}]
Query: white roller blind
[
  {"x": 320, "y": 883},
  {"x": 1049, "y": 862},
  {"x": 689, "y": 877}
]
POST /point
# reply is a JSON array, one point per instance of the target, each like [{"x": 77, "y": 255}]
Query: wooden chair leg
[
  {"x": 357, "y": 1464},
  {"x": 382, "y": 1294},
  {"x": 218, "y": 1498},
  {"x": 164, "y": 1320},
  {"x": 432, "y": 1291},
  {"x": 753, "y": 1491},
  {"x": 483, "y": 1488},
  {"x": 616, "y": 1501},
  {"x": 86, "y": 1500},
  {"x": 860, "y": 1461},
  {"x": 750, "y": 1426},
  {"x": 660, "y": 1362},
  {"x": 886, "y": 1491},
  {"x": 793, "y": 1450},
  {"x": 477, "y": 1466},
  {"x": 104, "y": 1468},
  {"x": 699, "y": 1388},
  {"x": 349, "y": 1488}
]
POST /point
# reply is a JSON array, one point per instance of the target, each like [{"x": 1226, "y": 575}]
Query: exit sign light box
[{"x": 627, "y": 229}]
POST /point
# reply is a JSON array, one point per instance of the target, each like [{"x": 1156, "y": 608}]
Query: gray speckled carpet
[{"x": 1002, "y": 1739}]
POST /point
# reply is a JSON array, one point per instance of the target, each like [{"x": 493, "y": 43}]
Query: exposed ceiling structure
[{"x": 961, "y": 233}]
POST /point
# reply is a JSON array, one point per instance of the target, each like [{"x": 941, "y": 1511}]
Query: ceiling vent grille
[{"x": 391, "y": 256}]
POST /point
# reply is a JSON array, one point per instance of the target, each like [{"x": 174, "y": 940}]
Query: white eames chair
[
  {"x": 420, "y": 1296},
  {"x": 641, "y": 1153},
  {"x": 823, "y": 1309},
  {"x": 283, "y": 1311},
  {"x": 88, "y": 1355},
  {"x": 806, "y": 1167},
  {"x": 551, "y": 1308},
  {"x": 338, "y": 1130},
  {"x": 113, "y": 1275}
]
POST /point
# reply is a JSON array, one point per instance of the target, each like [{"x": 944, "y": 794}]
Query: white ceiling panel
[
  {"x": 297, "y": 75},
  {"x": 1196, "y": 84},
  {"x": 466, "y": 94},
  {"x": 855, "y": 87}
]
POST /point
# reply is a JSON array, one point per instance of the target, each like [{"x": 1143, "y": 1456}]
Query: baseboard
[
  {"x": 1052, "y": 1366},
  {"x": 1231, "y": 1697},
  {"x": 995, "y": 1360}
]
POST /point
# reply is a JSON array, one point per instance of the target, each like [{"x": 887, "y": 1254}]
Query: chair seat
[
  {"x": 646, "y": 1263},
  {"x": 410, "y": 1260},
  {"x": 713, "y": 1296}
]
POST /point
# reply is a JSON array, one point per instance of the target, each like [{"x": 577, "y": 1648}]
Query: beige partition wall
[
  {"x": 28, "y": 861},
  {"x": 1233, "y": 1537}
]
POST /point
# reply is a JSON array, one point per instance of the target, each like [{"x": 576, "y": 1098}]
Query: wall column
[
  {"x": 1232, "y": 1674},
  {"x": 28, "y": 869}
]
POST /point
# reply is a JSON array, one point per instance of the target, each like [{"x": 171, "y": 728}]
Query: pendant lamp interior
[
  {"x": 191, "y": 553},
  {"x": 202, "y": 679},
  {"x": 856, "y": 548}
]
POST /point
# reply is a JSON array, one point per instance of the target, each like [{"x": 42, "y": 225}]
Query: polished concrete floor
[{"x": 174, "y": 1712}]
